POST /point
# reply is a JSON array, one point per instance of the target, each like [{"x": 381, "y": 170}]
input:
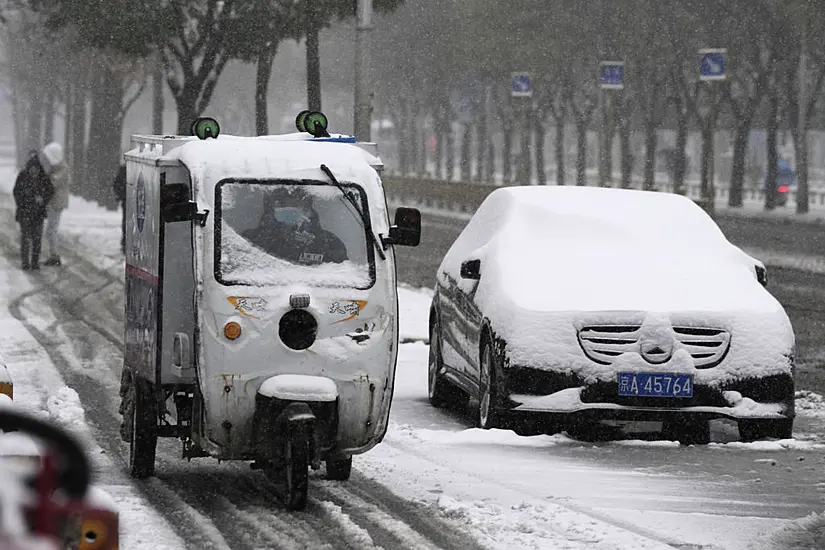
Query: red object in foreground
[{"x": 783, "y": 188}]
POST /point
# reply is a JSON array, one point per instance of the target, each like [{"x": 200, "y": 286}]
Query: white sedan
[{"x": 578, "y": 305}]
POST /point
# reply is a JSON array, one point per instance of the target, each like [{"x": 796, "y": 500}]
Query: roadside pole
[
  {"x": 611, "y": 77},
  {"x": 712, "y": 69},
  {"x": 363, "y": 68}
]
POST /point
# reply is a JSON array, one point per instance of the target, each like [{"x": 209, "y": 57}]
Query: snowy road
[{"x": 433, "y": 482}]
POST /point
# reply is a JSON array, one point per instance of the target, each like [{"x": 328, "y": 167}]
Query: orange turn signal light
[{"x": 232, "y": 330}]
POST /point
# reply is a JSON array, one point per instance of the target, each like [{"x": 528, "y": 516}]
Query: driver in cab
[{"x": 290, "y": 229}]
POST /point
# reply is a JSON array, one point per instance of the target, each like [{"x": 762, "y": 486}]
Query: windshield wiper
[{"x": 325, "y": 169}]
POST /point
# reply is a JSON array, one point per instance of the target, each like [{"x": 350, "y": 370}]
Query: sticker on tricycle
[
  {"x": 248, "y": 306},
  {"x": 350, "y": 308},
  {"x": 655, "y": 384}
]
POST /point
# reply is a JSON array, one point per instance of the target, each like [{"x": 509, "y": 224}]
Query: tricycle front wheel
[{"x": 296, "y": 474}]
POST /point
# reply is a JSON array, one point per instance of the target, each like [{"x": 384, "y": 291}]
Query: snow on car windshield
[{"x": 287, "y": 232}]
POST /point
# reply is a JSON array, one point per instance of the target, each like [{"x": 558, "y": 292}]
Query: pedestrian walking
[
  {"x": 119, "y": 187},
  {"x": 59, "y": 174},
  {"x": 33, "y": 189}
]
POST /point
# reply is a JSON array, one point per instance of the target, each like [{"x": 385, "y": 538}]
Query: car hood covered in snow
[{"x": 554, "y": 259}]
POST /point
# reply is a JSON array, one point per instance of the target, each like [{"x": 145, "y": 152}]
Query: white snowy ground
[{"x": 509, "y": 491}]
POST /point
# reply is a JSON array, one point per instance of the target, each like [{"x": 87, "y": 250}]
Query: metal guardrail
[{"x": 466, "y": 197}]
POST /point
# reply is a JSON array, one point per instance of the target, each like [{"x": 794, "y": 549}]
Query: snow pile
[
  {"x": 357, "y": 533},
  {"x": 809, "y": 403},
  {"x": 64, "y": 408},
  {"x": 477, "y": 436},
  {"x": 806, "y": 533},
  {"x": 770, "y": 446}
]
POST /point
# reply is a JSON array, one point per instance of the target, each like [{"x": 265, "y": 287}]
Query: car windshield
[{"x": 277, "y": 233}]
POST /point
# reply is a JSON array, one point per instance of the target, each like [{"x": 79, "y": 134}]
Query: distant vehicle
[
  {"x": 785, "y": 182},
  {"x": 568, "y": 306}
]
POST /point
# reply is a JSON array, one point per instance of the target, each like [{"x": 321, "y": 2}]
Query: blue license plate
[{"x": 655, "y": 384}]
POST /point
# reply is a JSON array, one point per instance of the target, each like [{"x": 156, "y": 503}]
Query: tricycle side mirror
[
  {"x": 407, "y": 228},
  {"x": 471, "y": 269},
  {"x": 180, "y": 212}
]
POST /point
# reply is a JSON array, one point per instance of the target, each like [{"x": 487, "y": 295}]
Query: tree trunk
[
  {"x": 772, "y": 153},
  {"x": 707, "y": 163},
  {"x": 262, "y": 74},
  {"x": 466, "y": 153},
  {"x": 507, "y": 153},
  {"x": 34, "y": 127},
  {"x": 626, "y": 152},
  {"x": 157, "y": 97},
  {"x": 561, "y": 173},
  {"x": 77, "y": 108},
  {"x": 482, "y": 141},
  {"x": 105, "y": 133},
  {"x": 524, "y": 173},
  {"x": 313, "y": 57},
  {"x": 581, "y": 150},
  {"x": 650, "y": 154},
  {"x": 606, "y": 143},
  {"x": 187, "y": 113},
  {"x": 801, "y": 149},
  {"x": 541, "y": 174},
  {"x": 737, "y": 174},
  {"x": 450, "y": 146},
  {"x": 680, "y": 162},
  {"x": 48, "y": 117}
]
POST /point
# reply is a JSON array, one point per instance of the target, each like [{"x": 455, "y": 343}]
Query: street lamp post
[{"x": 363, "y": 66}]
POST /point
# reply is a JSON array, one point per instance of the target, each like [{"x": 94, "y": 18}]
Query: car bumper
[{"x": 771, "y": 397}]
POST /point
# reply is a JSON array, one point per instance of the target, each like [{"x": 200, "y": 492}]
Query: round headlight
[
  {"x": 232, "y": 330},
  {"x": 298, "y": 329}
]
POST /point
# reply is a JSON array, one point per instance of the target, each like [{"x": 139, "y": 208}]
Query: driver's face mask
[{"x": 291, "y": 216}]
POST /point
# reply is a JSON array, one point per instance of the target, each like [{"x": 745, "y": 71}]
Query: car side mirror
[
  {"x": 407, "y": 228},
  {"x": 180, "y": 212},
  {"x": 471, "y": 269},
  {"x": 761, "y": 275}
]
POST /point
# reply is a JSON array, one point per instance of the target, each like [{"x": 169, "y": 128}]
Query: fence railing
[{"x": 467, "y": 196}]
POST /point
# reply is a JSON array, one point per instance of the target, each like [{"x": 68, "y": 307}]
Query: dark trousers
[
  {"x": 123, "y": 226},
  {"x": 31, "y": 235}
]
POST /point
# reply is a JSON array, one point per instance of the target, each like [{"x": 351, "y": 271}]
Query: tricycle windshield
[{"x": 272, "y": 233}]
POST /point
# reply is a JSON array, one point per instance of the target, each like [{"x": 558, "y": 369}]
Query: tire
[
  {"x": 441, "y": 393},
  {"x": 126, "y": 398},
  {"x": 339, "y": 470},
  {"x": 489, "y": 415},
  {"x": 687, "y": 431},
  {"x": 753, "y": 430},
  {"x": 296, "y": 474},
  {"x": 144, "y": 421}
]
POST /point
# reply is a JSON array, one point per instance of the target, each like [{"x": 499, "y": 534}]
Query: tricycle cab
[{"x": 260, "y": 274}]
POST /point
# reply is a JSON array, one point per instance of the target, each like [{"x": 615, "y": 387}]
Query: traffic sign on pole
[
  {"x": 712, "y": 64},
  {"x": 611, "y": 75},
  {"x": 521, "y": 85}
]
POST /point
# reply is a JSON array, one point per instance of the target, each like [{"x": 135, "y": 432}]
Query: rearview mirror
[
  {"x": 407, "y": 228},
  {"x": 180, "y": 212},
  {"x": 761, "y": 275},
  {"x": 471, "y": 269}
]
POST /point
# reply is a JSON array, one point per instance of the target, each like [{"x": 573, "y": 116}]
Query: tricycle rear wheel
[
  {"x": 144, "y": 421},
  {"x": 339, "y": 470}
]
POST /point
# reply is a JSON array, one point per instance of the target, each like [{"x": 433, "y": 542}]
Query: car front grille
[{"x": 604, "y": 343}]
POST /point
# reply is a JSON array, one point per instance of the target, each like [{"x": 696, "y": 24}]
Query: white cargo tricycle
[{"x": 261, "y": 300}]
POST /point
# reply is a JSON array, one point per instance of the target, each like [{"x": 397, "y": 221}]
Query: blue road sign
[
  {"x": 522, "y": 85},
  {"x": 712, "y": 65},
  {"x": 611, "y": 75}
]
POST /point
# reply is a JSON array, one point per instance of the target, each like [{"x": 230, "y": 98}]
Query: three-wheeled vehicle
[{"x": 261, "y": 300}]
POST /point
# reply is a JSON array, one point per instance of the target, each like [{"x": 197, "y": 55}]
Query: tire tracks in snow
[{"x": 211, "y": 506}]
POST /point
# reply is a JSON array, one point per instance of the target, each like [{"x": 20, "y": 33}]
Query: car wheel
[
  {"x": 753, "y": 430},
  {"x": 440, "y": 392},
  {"x": 489, "y": 415},
  {"x": 687, "y": 431}
]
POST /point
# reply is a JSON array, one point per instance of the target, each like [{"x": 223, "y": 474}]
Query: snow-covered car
[{"x": 577, "y": 305}]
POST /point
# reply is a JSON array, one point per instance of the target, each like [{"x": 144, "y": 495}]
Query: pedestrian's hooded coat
[
  {"x": 32, "y": 193},
  {"x": 52, "y": 159}
]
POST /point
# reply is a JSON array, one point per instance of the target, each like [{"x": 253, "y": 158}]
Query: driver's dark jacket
[{"x": 284, "y": 242}]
